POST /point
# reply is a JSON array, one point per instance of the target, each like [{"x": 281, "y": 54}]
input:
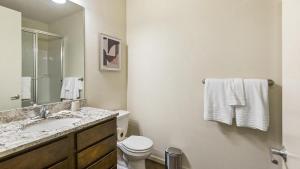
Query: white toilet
[{"x": 132, "y": 151}]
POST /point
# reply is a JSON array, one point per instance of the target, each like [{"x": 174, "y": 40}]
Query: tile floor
[{"x": 149, "y": 165}]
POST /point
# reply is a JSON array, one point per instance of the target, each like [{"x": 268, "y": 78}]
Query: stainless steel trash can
[{"x": 173, "y": 158}]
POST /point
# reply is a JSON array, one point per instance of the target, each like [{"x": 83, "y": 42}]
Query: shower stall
[{"x": 42, "y": 61}]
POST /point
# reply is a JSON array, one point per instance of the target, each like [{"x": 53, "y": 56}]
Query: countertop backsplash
[{"x": 32, "y": 111}]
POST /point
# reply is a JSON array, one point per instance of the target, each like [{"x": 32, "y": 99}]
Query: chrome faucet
[{"x": 44, "y": 112}]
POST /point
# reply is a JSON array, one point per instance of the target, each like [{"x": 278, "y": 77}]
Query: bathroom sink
[{"x": 50, "y": 125}]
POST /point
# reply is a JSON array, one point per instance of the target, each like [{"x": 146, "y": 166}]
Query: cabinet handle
[{"x": 17, "y": 97}]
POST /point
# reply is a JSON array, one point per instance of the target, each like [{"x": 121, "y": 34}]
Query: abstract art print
[{"x": 110, "y": 53}]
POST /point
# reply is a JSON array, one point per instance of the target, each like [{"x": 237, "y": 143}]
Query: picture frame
[{"x": 110, "y": 53}]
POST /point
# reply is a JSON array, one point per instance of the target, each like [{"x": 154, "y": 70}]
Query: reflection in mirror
[{"x": 43, "y": 60}]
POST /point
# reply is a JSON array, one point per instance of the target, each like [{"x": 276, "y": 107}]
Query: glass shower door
[
  {"x": 28, "y": 64},
  {"x": 49, "y": 69}
]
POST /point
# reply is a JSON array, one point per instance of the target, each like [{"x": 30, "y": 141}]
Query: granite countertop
[{"x": 15, "y": 136}]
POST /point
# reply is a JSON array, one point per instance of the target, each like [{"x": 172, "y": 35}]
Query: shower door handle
[{"x": 16, "y": 97}]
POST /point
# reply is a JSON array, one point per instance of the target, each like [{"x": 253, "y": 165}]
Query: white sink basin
[{"x": 51, "y": 124}]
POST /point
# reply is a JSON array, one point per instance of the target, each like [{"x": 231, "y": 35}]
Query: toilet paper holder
[
  {"x": 121, "y": 134},
  {"x": 280, "y": 152}
]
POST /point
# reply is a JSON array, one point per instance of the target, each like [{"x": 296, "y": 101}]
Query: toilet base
[
  {"x": 121, "y": 167},
  {"x": 133, "y": 159},
  {"x": 138, "y": 164}
]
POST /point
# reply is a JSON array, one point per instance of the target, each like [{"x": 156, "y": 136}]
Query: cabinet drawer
[
  {"x": 40, "y": 157},
  {"x": 107, "y": 162},
  {"x": 96, "y": 152},
  {"x": 95, "y": 134},
  {"x": 60, "y": 165}
]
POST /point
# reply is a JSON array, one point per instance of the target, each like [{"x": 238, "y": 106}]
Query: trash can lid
[{"x": 174, "y": 151}]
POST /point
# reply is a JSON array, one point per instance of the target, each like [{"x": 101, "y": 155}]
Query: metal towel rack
[{"x": 270, "y": 82}]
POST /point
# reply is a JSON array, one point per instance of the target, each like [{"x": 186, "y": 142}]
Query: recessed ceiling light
[{"x": 60, "y": 1}]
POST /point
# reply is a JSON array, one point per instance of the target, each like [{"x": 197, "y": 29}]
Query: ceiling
[{"x": 42, "y": 10}]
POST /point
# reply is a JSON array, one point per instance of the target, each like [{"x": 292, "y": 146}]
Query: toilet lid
[{"x": 137, "y": 143}]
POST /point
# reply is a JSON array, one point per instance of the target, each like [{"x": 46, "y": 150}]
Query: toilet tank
[{"x": 122, "y": 120}]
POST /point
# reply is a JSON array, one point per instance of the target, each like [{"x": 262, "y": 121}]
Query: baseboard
[
  {"x": 161, "y": 160},
  {"x": 157, "y": 159}
]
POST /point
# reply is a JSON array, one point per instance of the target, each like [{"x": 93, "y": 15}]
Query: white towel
[
  {"x": 65, "y": 88},
  {"x": 216, "y": 107},
  {"x": 235, "y": 92},
  {"x": 78, "y": 85},
  {"x": 26, "y": 88},
  {"x": 255, "y": 114},
  {"x": 71, "y": 88}
]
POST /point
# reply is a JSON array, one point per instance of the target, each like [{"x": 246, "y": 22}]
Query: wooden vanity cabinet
[
  {"x": 94, "y": 147},
  {"x": 95, "y": 143},
  {"x": 39, "y": 157}
]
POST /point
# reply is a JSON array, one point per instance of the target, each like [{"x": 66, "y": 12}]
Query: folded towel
[
  {"x": 235, "y": 92},
  {"x": 26, "y": 88},
  {"x": 71, "y": 88},
  {"x": 216, "y": 107},
  {"x": 65, "y": 88},
  {"x": 255, "y": 113},
  {"x": 78, "y": 85}
]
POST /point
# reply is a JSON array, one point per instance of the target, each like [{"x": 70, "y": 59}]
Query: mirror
[{"x": 41, "y": 52}]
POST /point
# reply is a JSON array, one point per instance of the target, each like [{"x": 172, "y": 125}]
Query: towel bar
[{"x": 270, "y": 82}]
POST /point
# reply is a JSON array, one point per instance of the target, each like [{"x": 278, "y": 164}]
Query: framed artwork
[{"x": 110, "y": 53}]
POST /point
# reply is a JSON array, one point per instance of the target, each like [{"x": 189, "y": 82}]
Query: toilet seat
[
  {"x": 133, "y": 151},
  {"x": 137, "y": 144},
  {"x": 131, "y": 155}
]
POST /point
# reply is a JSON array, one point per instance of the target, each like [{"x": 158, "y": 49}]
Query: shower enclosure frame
[{"x": 36, "y": 33}]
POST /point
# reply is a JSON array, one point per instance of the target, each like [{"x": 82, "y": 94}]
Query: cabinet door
[
  {"x": 95, "y": 152},
  {"x": 107, "y": 162},
  {"x": 10, "y": 58},
  {"x": 95, "y": 134},
  {"x": 60, "y": 165},
  {"x": 39, "y": 158}
]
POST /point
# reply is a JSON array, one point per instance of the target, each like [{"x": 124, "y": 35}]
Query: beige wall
[
  {"x": 291, "y": 80},
  {"x": 172, "y": 46},
  {"x": 104, "y": 89}
]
